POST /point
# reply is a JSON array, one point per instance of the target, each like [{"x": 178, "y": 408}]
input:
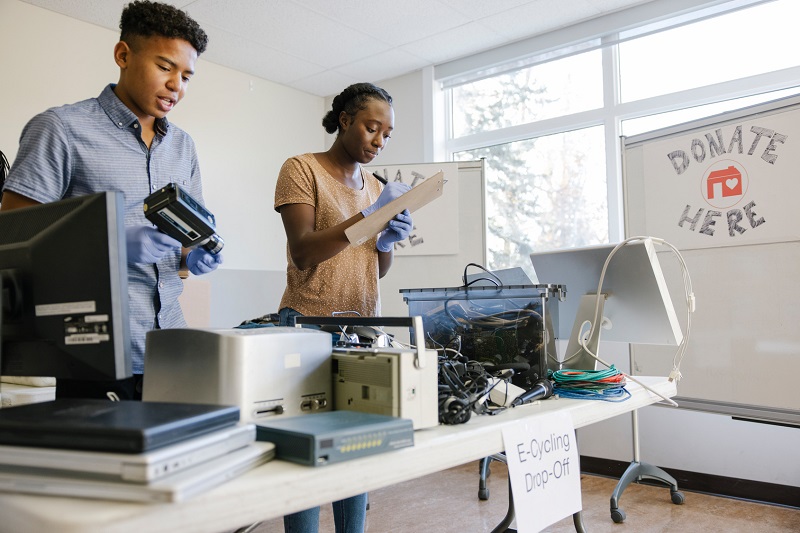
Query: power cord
[
  {"x": 492, "y": 277},
  {"x": 607, "y": 385},
  {"x": 464, "y": 387}
]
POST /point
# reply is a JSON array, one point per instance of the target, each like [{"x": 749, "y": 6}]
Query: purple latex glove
[
  {"x": 391, "y": 190},
  {"x": 145, "y": 244},
  {"x": 200, "y": 261},
  {"x": 399, "y": 228}
]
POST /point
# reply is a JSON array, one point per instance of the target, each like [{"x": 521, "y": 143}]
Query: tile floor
[{"x": 447, "y": 502}]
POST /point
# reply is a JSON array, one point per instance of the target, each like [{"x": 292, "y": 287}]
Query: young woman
[{"x": 319, "y": 196}]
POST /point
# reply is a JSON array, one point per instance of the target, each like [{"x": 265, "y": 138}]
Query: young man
[{"x": 122, "y": 141}]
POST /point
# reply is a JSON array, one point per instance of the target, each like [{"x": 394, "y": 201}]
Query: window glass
[
  {"x": 664, "y": 120},
  {"x": 544, "y": 193},
  {"x": 553, "y": 89},
  {"x": 739, "y": 44}
]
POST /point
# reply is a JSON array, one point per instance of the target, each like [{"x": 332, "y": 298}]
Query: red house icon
[{"x": 730, "y": 180}]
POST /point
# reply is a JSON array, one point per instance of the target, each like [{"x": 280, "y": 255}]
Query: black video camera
[{"x": 180, "y": 216}]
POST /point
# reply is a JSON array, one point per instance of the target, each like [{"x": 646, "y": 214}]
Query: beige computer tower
[{"x": 388, "y": 381}]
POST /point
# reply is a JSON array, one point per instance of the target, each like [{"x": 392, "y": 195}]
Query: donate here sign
[{"x": 729, "y": 184}]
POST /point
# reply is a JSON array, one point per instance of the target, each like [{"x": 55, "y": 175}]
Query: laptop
[
  {"x": 133, "y": 467},
  {"x": 102, "y": 425},
  {"x": 173, "y": 488}
]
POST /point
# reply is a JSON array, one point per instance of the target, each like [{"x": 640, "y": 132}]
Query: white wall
[{"x": 244, "y": 128}]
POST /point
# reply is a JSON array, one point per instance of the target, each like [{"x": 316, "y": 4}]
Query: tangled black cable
[
  {"x": 491, "y": 276},
  {"x": 463, "y": 387}
]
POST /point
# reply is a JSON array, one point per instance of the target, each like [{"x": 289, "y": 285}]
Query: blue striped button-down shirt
[{"x": 94, "y": 146}]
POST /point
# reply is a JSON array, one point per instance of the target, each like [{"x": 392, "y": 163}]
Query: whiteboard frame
[{"x": 633, "y": 190}]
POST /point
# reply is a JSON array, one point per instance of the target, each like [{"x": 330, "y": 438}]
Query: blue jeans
[{"x": 350, "y": 514}]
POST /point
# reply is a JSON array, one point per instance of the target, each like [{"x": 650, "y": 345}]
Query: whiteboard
[
  {"x": 468, "y": 238},
  {"x": 435, "y": 229},
  {"x": 740, "y": 239}
]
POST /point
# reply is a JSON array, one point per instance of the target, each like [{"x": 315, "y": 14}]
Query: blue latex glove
[
  {"x": 146, "y": 244},
  {"x": 399, "y": 228},
  {"x": 391, "y": 190},
  {"x": 201, "y": 261}
]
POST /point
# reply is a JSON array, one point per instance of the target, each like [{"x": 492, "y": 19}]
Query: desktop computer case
[
  {"x": 267, "y": 372},
  {"x": 387, "y": 381}
]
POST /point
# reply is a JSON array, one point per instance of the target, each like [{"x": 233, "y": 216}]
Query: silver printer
[{"x": 267, "y": 371}]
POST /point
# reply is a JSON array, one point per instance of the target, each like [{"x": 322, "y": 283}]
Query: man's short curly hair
[{"x": 145, "y": 19}]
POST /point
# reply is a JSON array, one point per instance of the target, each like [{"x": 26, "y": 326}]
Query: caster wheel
[
  {"x": 677, "y": 497},
  {"x": 618, "y": 516},
  {"x": 483, "y": 494}
]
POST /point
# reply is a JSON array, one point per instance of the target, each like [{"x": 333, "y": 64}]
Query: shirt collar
[{"x": 120, "y": 115}]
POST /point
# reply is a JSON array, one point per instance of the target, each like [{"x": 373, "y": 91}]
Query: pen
[{"x": 380, "y": 178}]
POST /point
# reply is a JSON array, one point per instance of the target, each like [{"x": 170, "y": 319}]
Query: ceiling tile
[
  {"x": 455, "y": 43},
  {"x": 256, "y": 59},
  {"x": 326, "y": 83},
  {"x": 310, "y": 36},
  {"x": 382, "y": 66},
  {"x": 538, "y": 17},
  {"x": 394, "y": 23},
  {"x": 102, "y": 13},
  {"x": 478, "y": 9}
]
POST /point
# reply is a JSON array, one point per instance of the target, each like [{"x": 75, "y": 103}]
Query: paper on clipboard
[{"x": 422, "y": 194}]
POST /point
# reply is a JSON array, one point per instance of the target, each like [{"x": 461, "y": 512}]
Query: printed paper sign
[{"x": 544, "y": 467}]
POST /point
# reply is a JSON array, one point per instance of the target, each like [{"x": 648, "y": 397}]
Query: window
[
  {"x": 545, "y": 91},
  {"x": 543, "y": 193},
  {"x": 744, "y": 43},
  {"x": 549, "y": 131}
]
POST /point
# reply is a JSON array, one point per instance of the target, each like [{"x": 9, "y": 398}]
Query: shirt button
[
  {"x": 160, "y": 284},
  {"x": 119, "y": 123},
  {"x": 152, "y": 187},
  {"x": 135, "y": 126}
]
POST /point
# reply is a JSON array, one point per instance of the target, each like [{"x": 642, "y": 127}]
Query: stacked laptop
[{"x": 134, "y": 451}]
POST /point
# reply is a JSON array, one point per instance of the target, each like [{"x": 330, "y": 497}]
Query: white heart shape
[{"x": 731, "y": 182}]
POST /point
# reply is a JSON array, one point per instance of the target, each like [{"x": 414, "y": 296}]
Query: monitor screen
[
  {"x": 637, "y": 303},
  {"x": 63, "y": 269}
]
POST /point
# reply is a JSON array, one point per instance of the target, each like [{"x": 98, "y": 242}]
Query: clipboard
[{"x": 421, "y": 195}]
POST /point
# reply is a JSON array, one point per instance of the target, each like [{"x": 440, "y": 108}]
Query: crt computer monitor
[
  {"x": 63, "y": 267},
  {"x": 637, "y": 303}
]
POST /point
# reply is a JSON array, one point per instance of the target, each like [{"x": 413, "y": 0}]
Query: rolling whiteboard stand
[
  {"x": 578, "y": 358},
  {"x": 637, "y": 470}
]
